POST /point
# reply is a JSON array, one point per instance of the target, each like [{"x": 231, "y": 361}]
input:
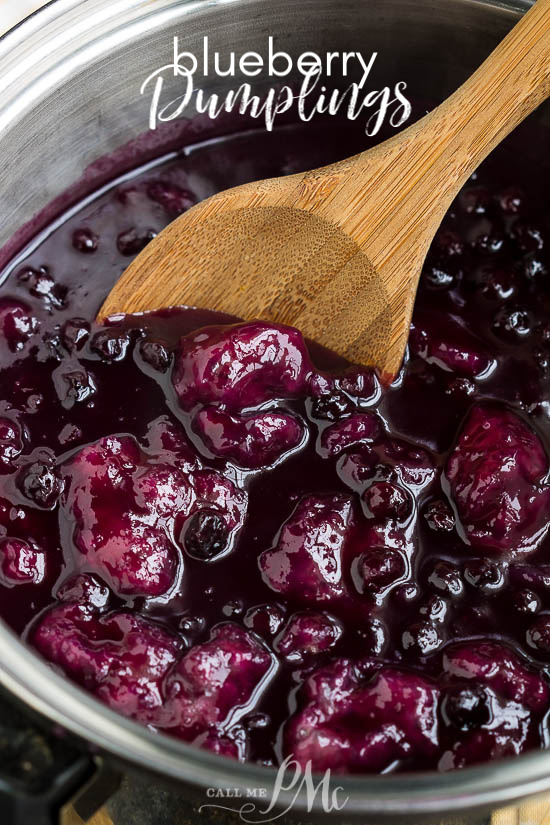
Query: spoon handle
[
  {"x": 422, "y": 169},
  {"x": 508, "y": 86}
]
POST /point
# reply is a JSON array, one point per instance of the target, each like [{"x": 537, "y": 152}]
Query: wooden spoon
[{"x": 337, "y": 252}]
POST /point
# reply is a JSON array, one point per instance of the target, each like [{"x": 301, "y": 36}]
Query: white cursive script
[
  {"x": 310, "y": 98},
  {"x": 291, "y": 777}
]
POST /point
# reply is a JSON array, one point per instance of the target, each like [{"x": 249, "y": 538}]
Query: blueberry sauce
[{"x": 234, "y": 537}]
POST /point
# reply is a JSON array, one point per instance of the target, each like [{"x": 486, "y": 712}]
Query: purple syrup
[{"x": 247, "y": 543}]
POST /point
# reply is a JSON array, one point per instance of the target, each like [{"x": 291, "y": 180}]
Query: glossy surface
[{"x": 233, "y": 537}]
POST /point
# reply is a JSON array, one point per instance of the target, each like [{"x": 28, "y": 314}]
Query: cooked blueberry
[
  {"x": 380, "y": 567},
  {"x": 496, "y": 283},
  {"x": 526, "y": 601},
  {"x": 170, "y": 196},
  {"x": 439, "y": 516},
  {"x": 466, "y": 707},
  {"x": 11, "y": 442},
  {"x": 40, "y": 483},
  {"x": 437, "y": 277},
  {"x": 75, "y": 386},
  {"x": 448, "y": 243},
  {"x": 446, "y": 578},
  {"x": 205, "y": 535},
  {"x": 513, "y": 324},
  {"x": 54, "y": 344},
  {"x": 133, "y": 241},
  {"x": 192, "y": 625},
  {"x": 155, "y": 354},
  {"x": 538, "y": 635},
  {"x": 110, "y": 345},
  {"x": 386, "y": 500},
  {"x": 21, "y": 562},
  {"x": 360, "y": 382},
  {"x": 475, "y": 200},
  {"x": 484, "y": 574},
  {"x": 331, "y": 406},
  {"x": 421, "y": 638},
  {"x": 84, "y": 240},
  {"x": 510, "y": 200},
  {"x": 84, "y": 589},
  {"x": 407, "y": 592},
  {"x": 535, "y": 268},
  {"x": 265, "y": 619},
  {"x": 460, "y": 388},
  {"x": 435, "y": 609},
  {"x": 258, "y": 720},
  {"x": 41, "y": 284},
  {"x": 489, "y": 243},
  {"x": 233, "y": 608},
  {"x": 529, "y": 238},
  {"x": 308, "y": 634},
  {"x": 17, "y": 324},
  {"x": 34, "y": 403},
  {"x": 75, "y": 333}
]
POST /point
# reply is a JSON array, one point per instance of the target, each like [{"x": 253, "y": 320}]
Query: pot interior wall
[{"x": 81, "y": 102}]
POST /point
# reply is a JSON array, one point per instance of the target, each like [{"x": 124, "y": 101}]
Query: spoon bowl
[{"x": 338, "y": 251}]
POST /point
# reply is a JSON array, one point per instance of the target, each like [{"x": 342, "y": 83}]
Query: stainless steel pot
[{"x": 69, "y": 94}]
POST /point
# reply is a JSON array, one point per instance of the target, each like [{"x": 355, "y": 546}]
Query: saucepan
[{"x": 70, "y": 95}]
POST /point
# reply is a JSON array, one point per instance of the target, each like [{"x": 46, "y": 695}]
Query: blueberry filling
[{"x": 231, "y": 536}]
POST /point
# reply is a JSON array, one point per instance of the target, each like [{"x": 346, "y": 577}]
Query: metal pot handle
[
  {"x": 43, "y": 776},
  {"x": 92, "y": 795}
]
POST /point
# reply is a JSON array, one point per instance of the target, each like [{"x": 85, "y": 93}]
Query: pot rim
[{"x": 33, "y": 681}]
